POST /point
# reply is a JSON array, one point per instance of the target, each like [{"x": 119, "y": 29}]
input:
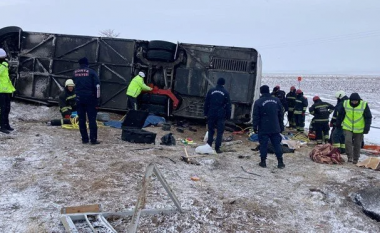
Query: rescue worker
[
  {"x": 268, "y": 123},
  {"x": 67, "y": 99},
  {"x": 291, "y": 101},
  {"x": 337, "y": 136},
  {"x": 321, "y": 112},
  {"x": 6, "y": 90},
  {"x": 217, "y": 108},
  {"x": 87, "y": 91},
  {"x": 299, "y": 110},
  {"x": 281, "y": 95},
  {"x": 134, "y": 90},
  {"x": 355, "y": 119}
]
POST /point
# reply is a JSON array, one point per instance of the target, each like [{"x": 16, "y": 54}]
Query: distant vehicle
[{"x": 183, "y": 73}]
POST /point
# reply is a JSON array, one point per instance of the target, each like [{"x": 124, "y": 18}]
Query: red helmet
[
  {"x": 315, "y": 98},
  {"x": 299, "y": 91},
  {"x": 292, "y": 88}
]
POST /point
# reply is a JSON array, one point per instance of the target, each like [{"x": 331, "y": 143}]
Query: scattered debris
[
  {"x": 168, "y": 158},
  {"x": 249, "y": 172},
  {"x": 369, "y": 199},
  {"x": 195, "y": 178},
  {"x": 180, "y": 130},
  {"x": 373, "y": 163}
]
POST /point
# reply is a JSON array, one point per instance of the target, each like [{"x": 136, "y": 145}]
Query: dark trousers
[
  {"x": 322, "y": 131},
  {"x": 86, "y": 106},
  {"x": 5, "y": 105},
  {"x": 353, "y": 144},
  {"x": 275, "y": 139},
  {"x": 132, "y": 103},
  {"x": 300, "y": 122},
  {"x": 218, "y": 123},
  {"x": 291, "y": 120},
  {"x": 338, "y": 140}
]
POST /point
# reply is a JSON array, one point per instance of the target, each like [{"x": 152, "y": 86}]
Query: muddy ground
[{"x": 44, "y": 168}]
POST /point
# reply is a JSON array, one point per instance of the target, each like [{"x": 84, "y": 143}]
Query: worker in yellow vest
[
  {"x": 6, "y": 90},
  {"x": 355, "y": 118},
  {"x": 134, "y": 89}
]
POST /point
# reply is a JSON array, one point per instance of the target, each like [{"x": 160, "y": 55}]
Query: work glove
[
  {"x": 303, "y": 114},
  {"x": 331, "y": 125},
  {"x": 366, "y": 131},
  {"x": 67, "y": 117}
]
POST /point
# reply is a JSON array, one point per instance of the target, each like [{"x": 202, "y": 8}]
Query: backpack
[{"x": 168, "y": 140}]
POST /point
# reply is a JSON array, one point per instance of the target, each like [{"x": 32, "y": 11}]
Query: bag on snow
[{"x": 205, "y": 149}]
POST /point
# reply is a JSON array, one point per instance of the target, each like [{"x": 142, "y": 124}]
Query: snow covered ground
[{"x": 44, "y": 168}]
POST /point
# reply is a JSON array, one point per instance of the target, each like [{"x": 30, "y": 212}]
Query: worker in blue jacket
[
  {"x": 268, "y": 123},
  {"x": 87, "y": 91},
  {"x": 217, "y": 108}
]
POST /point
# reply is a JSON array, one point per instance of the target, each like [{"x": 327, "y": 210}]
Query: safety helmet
[
  {"x": 69, "y": 83},
  {"x": 142, "y": 74},
  {"x": 299, "y": 91},
  {"x": 315, "y": 98},
  {"x": 3, "y": 54},
  {"x": 340, "y": 94},
  {"x": 292, "y": 88}
]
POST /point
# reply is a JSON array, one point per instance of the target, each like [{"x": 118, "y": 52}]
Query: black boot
[
  {"x": 8, "y": 127},
  {"x": 281, "y": 164},
  {"x": 3, "y": 130},
  {"x": 263, "y": 163}
]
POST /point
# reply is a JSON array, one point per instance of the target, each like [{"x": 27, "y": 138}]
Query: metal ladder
[{"x": 97, "y": 222}]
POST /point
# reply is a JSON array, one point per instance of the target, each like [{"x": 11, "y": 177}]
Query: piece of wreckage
[{"x": 182, "y": 73}]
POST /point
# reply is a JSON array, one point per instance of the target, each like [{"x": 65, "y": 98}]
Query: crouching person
[
  {"x": 67, "y": 101},
  {"x": 268, "y": 123}
]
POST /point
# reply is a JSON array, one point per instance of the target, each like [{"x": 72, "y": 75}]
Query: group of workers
[
  {"x": 351, "y": 116},
  {"x": 351, "y": 119}
]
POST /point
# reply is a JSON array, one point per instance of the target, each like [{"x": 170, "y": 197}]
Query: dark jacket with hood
[
  {"x": 366, "y": 114},
  {"x": 321, "y": 111},
  {"x": 268, "y": 117},
  {"x": 85, "y": 80},
  {"x": 291, "y": 100},
  {"x": 301, "y": 104},
  {"x": 218, "y": 103},
  {"x": 67, "y": 102},
  {"x": 281, "y": 95},
  {"x": 338, "y": 105}
]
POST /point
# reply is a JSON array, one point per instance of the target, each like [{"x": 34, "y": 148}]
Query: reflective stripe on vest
[{"x": 354, "y": 120}]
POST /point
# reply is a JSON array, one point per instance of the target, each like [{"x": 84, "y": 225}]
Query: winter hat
[
  {"x": 315, "y": 98},
  {"x": 83, "y": 61},
  {"x": 355, "y": 96},
  {"x": 276, "y": 88},
  {"x": 264, "y": 89},
  {"x": 221, "y": 81}
]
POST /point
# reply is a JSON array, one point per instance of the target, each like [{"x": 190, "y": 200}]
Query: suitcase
[{"x": 132, "y": 128}]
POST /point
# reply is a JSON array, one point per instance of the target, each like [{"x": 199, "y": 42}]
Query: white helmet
[
  {"x": 340, "y": 94},
  {"x": 142, "y": 74},
  {"x": 69, "y": 83},
  {"x": 3, "y": 54}
]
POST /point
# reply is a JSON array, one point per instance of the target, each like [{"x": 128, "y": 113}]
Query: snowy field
[{"x": 45, "y": 168}]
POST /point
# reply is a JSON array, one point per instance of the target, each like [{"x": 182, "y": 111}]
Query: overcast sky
[{"x": 293, "y": 36}]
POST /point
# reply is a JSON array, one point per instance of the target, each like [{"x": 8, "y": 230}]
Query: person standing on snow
[
  {"x": 280, "y": 94},
  {"x": 87, "y": 91},
  {"x": 337, "y": 136},
  {"x": 321, "y": 112},
  {"x": 6, "y": 90},
  {"x": 268, "y": 123},
  {"x": 355, "y": 119},
  {"x": 291, "y": 101},
  {"x": 67, "y": 99},
  {"x": 299, "y": 110},
  {"x": 217, "y": 108},
  {"x": 134, "y": 89}
]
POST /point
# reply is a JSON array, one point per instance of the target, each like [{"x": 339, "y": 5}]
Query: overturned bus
[{"x": 42, "y": 62}]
